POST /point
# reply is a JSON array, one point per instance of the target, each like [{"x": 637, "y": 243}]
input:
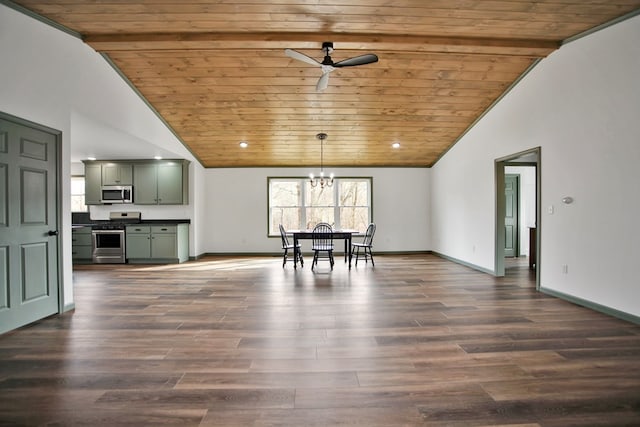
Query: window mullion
[
  {"x": 336, "y": 203},
  {"x": 303, "y": 205}
]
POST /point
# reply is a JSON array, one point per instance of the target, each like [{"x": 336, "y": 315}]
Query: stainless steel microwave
[{"x": 117, "y": 194}]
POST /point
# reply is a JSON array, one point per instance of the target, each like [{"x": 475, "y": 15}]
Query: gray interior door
[
  {"x": 29, "y": 285},
  {"x": 511, "y": 225}
]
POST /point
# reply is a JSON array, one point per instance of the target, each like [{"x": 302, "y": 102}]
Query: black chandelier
[{"x": 321, "y": 180}]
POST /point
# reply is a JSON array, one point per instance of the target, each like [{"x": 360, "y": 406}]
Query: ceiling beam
[{"x": 272, "y": 40}]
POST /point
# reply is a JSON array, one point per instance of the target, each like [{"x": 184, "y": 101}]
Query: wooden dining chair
[
  {"x": 286, "y": 246},
  {"x": 322, "y": 243},
  {"x": 365, "y": 245}
]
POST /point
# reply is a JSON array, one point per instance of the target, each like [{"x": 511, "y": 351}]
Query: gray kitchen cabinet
[
  {"x": 170, "y": 183},
  {"x": 157, "y": 243},
  {"x": 138, "y": 242},
  {"x": 164, "y": 182},
  {"x": 145, "y": 189},
  {"x": 92, "y": 183},
  {"x": 117, "y": 174},
  {"x": 81, "y": 249},
  {"x": 164, "y": 242},
  {"x": 161, "y": 183}
]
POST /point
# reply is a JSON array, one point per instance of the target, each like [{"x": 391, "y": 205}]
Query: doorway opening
[{"x": 526, "y": 238}]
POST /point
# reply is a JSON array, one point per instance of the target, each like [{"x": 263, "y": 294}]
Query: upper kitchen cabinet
[
  {"x": 117, "y": 174},
  {"x": 155, "y": 182},
  {"x": 92, "y": 183},
  {"x": 98, "y": 173},
  {"x": 161, "y": 182}
]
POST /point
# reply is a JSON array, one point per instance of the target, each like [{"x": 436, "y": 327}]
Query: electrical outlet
[
  {"x": 565, "y": 269},
  {"x": 550, "y": 210}
]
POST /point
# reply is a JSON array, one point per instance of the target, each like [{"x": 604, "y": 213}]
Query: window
[
  {"x": 295, "y": 204},
  {"x": 284, "y": 204},
  {"x": 353, "y": 204},
  {"x": 77, "y": 194}
]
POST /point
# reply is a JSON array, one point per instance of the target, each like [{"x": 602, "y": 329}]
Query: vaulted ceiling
[{"x": 217, "y": 73}]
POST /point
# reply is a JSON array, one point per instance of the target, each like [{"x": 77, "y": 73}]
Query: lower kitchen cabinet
[
  {"x": 81, "y": 249},
  {"x": 157, "y": 243}
]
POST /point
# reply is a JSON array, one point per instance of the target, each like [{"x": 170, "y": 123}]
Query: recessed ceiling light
[
  {"x": 244, "y": 144},
  {"x": 395, "y": 145},
  {"x": 91, "y": 158},
  {"x": 157, "y": 157}
]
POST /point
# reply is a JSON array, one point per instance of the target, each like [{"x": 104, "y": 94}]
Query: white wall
[
  {"x": 198, "y": 196},
  {"x": 581, "y": 105},
  {"x": 54, "y": 79},
  {"x": 236, "y": 208},
  {"x": 463, "y": 205}
]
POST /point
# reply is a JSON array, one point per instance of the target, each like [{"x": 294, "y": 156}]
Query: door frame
[
  {"x": 531, "y": 157},
  {"x": 58, "y": 185}
]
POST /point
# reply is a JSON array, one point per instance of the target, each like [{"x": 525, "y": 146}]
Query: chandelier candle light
[{"x": 322, "y": 180}]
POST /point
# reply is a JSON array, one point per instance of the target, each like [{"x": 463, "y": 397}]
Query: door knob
[{"x": 52, "y": 232}]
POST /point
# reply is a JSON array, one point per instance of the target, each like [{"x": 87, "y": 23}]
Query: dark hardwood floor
[{"x": 417, "y": 340}]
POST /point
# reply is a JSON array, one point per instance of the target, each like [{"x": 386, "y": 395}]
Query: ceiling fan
[{"x": 327, "y": 63}]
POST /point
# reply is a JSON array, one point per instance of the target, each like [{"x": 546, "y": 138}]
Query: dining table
[{"x": 346, "y": 235}]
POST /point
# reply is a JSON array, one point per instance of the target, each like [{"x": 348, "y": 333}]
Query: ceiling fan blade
[
  {"x": 357, "y": 60},
  {"x": 323, "y": 82},
  {"x": 301, "y": 57}
]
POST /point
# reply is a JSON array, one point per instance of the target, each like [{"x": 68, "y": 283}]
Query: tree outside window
[
  {"x": 354, "y": 205},
  {"x": 285, "y": 199},
  {"x": 320, "y": 205},
  {"x": 295, "y": 204}
]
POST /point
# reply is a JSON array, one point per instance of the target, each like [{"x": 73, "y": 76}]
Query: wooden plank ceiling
[{"x": 216, "y": 70}]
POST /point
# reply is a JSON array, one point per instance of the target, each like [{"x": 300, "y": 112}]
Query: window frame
[{"x": 302, "y": 206}]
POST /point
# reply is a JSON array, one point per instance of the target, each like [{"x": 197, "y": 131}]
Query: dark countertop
[
  {"x": 165, "y": 221},
  {"x": 142, "y": 222}
]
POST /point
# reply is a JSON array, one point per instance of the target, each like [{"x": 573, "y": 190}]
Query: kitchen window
[
  {"x": 77, "y": 194},
  {"x": 295, "y": 204}
]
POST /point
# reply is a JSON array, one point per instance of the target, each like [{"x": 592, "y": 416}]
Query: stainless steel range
[{"x": 108, "y": 238}]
